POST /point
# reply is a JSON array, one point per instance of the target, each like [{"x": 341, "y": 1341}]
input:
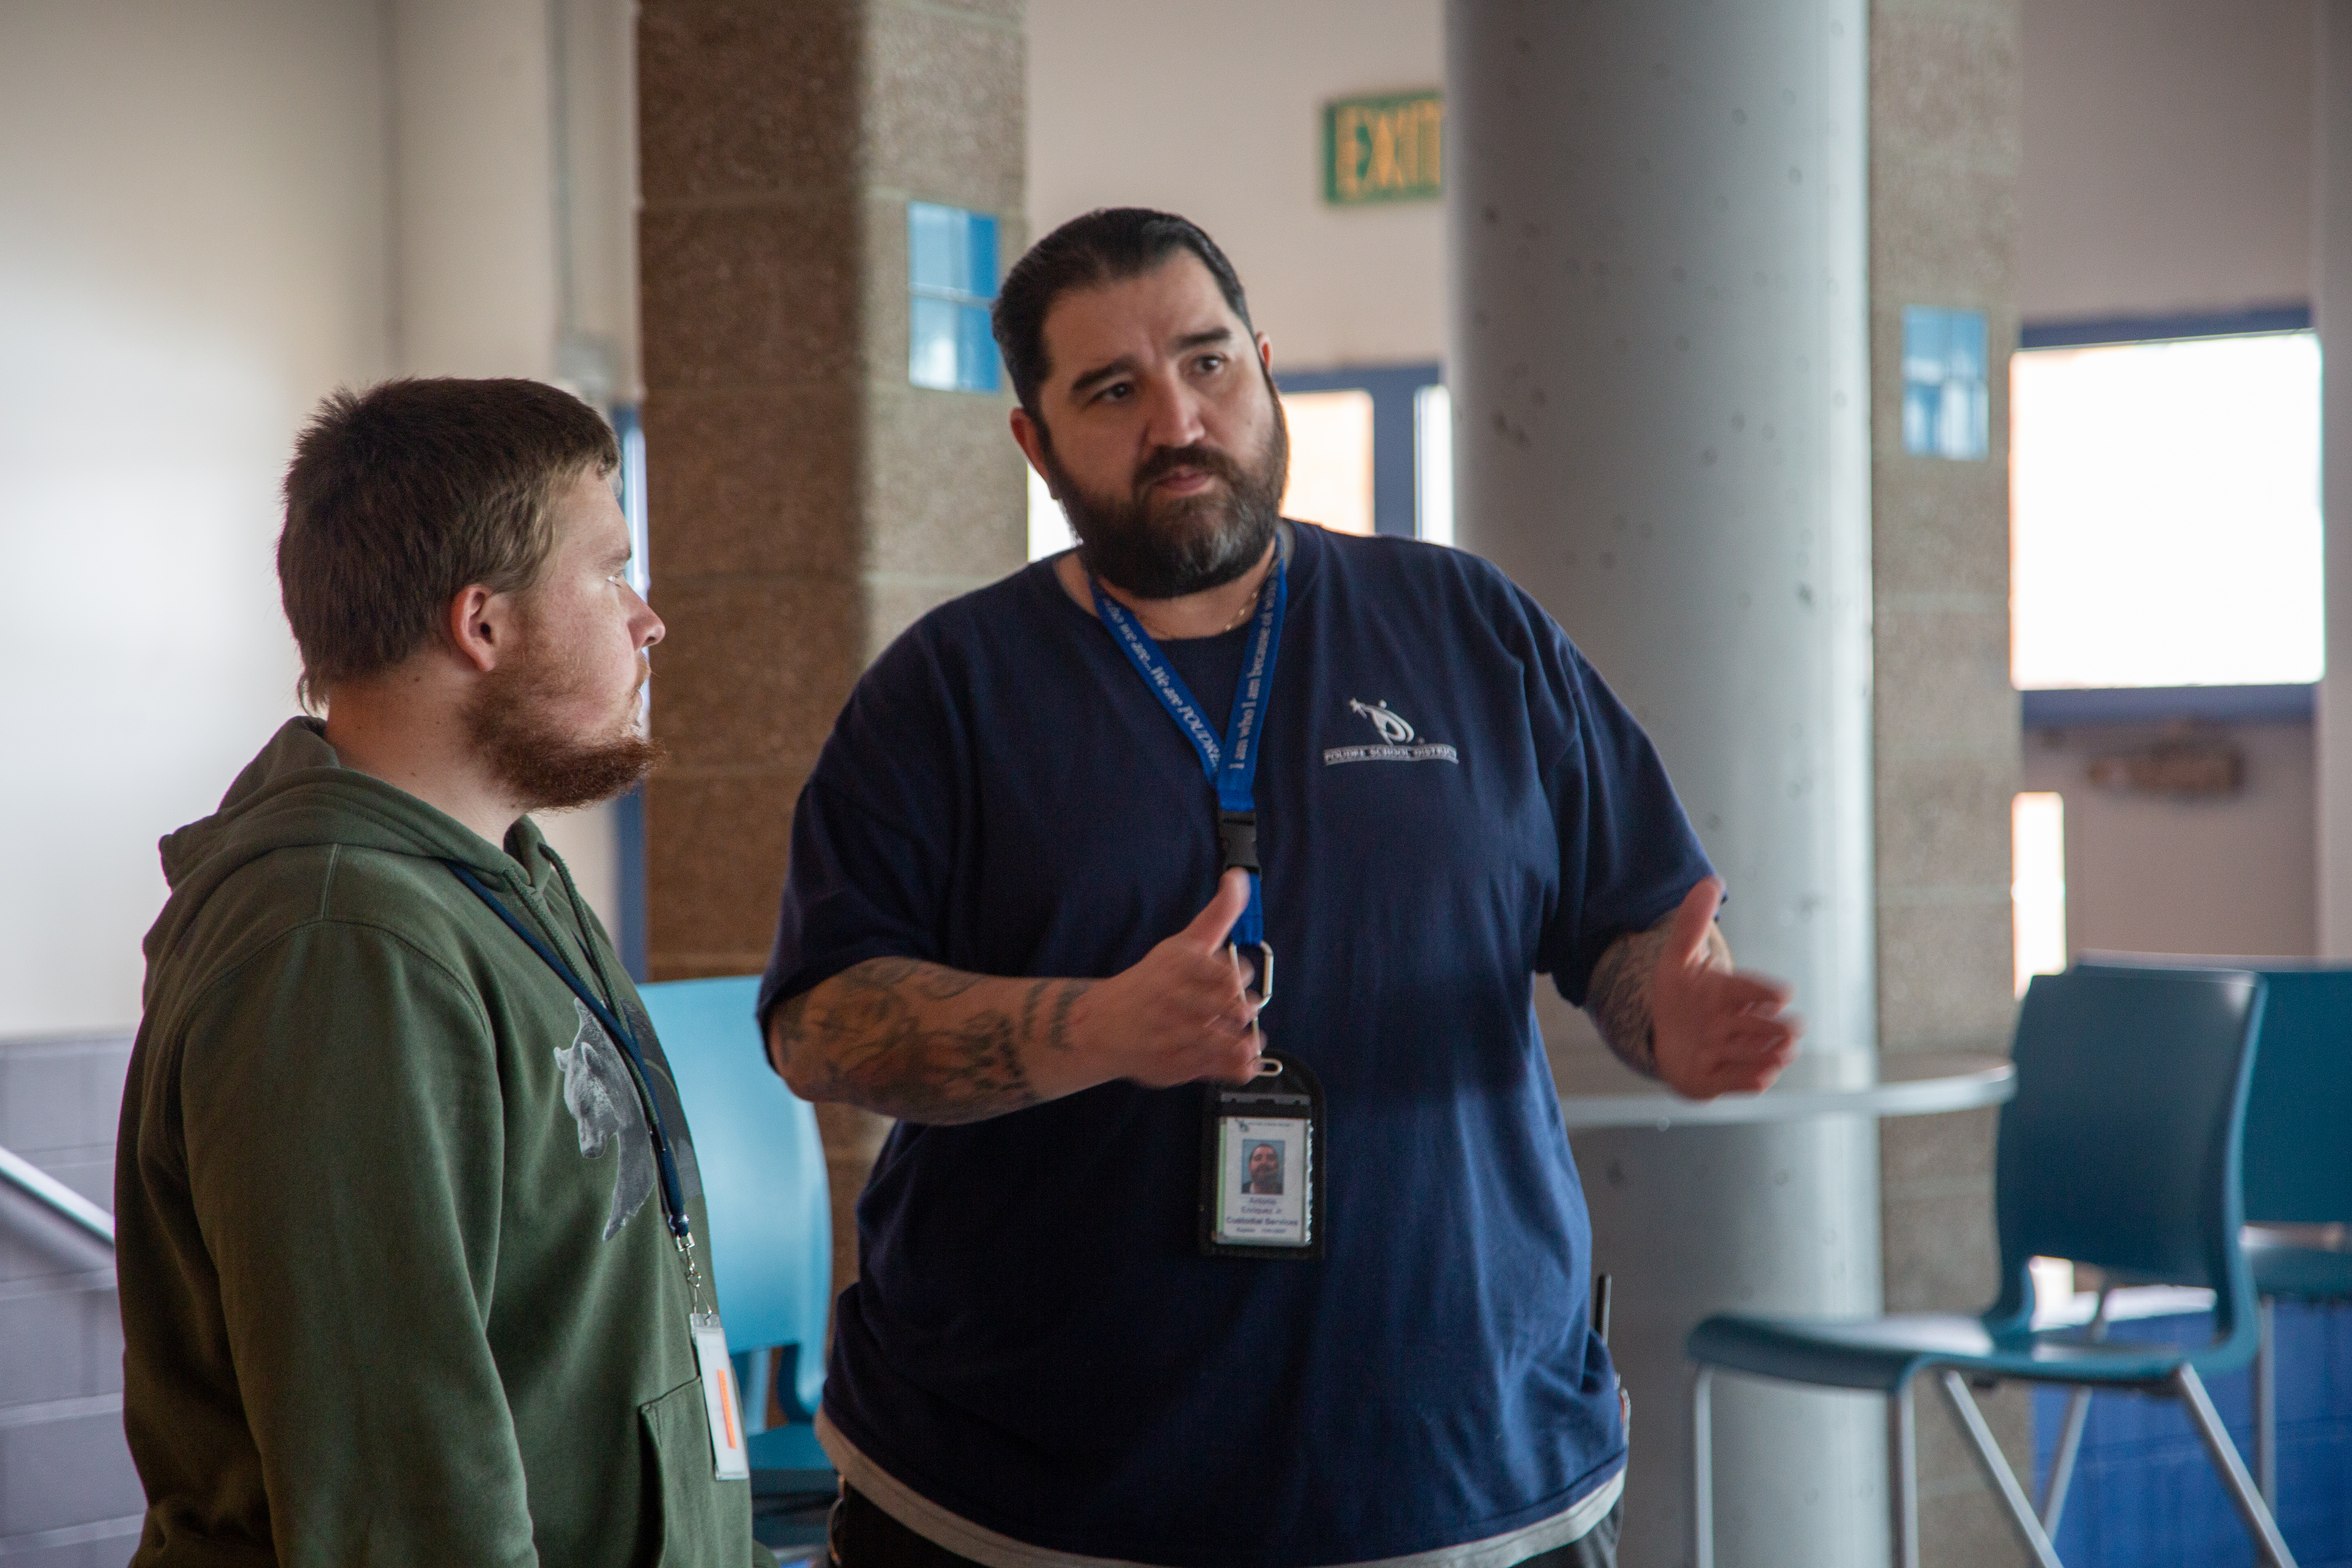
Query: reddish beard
[{"x": 548, "y": 767}]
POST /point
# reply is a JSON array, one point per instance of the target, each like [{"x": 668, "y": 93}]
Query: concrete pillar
[
  {"x": 1945, "y": 129},
  {"x": 807, "y": 503},
  {"x": 2331, "y": 274},
  {"x": 1659, "y": 358}
]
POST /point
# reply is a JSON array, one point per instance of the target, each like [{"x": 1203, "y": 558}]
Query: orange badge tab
[{"x": 732, "y": 1460}]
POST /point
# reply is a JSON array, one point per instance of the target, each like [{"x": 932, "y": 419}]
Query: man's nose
[{"x": 1174, "y": 413}]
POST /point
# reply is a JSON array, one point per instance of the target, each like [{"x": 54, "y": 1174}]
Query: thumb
[
  {"x": 1216, "y": 917},
  {"x": 1687, "y": 938}
]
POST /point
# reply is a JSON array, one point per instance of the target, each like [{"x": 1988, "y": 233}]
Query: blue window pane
[
  {"x": 937, "y": 256},
  {"x": 980, "y": 250},
  {"x": 1946, "y": 402},
  {"x": 1965, "y": 346},
  {"x": 950, "y": 279},
  {"x": 1918, "y": 418},
  {"x": 951, "y": 251},
  {"x": 1924, "y": 333},
  {"x": 933, "y": 339},
  {"x": 976, "y": 351}
]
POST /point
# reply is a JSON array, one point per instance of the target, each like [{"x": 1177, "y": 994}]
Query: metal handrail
[{"x": 57, "y": 1197}]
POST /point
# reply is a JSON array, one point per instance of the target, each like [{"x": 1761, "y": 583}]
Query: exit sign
[{"x": 1383, "y": 148}]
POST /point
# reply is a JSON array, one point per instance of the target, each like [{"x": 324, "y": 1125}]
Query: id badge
[
  {"x": 1262, "y": 1164},
  {"x": 731, "y": 1460}
]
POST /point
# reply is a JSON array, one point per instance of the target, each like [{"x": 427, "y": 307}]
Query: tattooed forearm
[
  {"x": 920, "y": 1041},
  {"x": 1619, "y": 998}
]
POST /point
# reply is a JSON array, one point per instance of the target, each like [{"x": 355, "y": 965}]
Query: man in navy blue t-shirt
[{"x": 1150, "y": 1275}]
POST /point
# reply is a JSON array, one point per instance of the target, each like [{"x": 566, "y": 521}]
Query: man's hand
[
  {"x": 926, "y": 1043},
  {"x": 1182, "y": 1013},
  {"x": 1669, "y": 1003},
  {"x": 1716, "y": 1029}
]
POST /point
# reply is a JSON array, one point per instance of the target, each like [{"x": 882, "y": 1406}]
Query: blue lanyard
[
  {"x": 681, "y": 1225},
  {"x": 1232, "y": 766}
]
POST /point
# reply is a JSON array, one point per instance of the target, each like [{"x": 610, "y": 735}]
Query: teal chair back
[
  {"x": 2299, "y": 1112},
  {"x": 2122, "y": 1147},
  {"x": 763, "y": 1176},
  {"x": 2299, "y": 1119}
]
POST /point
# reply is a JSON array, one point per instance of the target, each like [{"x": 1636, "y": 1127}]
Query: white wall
[
  {"x": 1213, "y": 109},
  {"x": 210, "y": 217},
  {"x": 2167, "y": 165},
  {"x": 192, "y": 252}
]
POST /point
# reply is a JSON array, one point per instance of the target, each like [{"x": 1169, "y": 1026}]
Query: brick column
[
  {"x": 806, "y": 503},
  {"x": 1946, "y": 116}
]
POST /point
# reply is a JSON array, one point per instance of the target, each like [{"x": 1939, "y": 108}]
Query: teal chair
[
  {"x": 764, "y": 1181},
  {"x": 2298, "y": 1162},
  {"x": 2121, "y": 1150}
]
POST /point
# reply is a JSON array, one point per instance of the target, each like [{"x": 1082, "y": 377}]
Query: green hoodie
[{"x": 381, "y": 1303}]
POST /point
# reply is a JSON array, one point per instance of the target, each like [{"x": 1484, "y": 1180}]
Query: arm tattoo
[
  {"x": 1619, "y": 998},
  {"x": 905, "y": 1038}
]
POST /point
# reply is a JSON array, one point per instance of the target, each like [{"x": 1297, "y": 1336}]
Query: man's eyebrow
[{"x": 1125, "y": 363}]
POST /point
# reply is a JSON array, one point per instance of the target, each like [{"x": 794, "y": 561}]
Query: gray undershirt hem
[{"x": 982, "y": 1545}]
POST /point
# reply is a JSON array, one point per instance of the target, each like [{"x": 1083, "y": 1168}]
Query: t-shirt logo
[
  {"x": 1392, "y": 728},
  {"x": 1399, "y": 743}
]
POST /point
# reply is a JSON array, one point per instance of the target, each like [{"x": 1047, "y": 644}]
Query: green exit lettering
[{"x": 1385, "y": 148}]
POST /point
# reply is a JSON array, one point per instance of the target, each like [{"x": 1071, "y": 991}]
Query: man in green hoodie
[{"x": 408, "y": 1213}]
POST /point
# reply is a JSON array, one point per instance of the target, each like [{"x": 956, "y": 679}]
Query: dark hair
[
  {"x": 402, "y": 495},
  {"x": 1103, "y": 247}
]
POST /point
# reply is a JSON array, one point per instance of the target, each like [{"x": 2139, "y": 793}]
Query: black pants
[{"x": 865, "y": 1537}]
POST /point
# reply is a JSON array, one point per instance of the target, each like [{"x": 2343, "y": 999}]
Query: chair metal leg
[
  {"x": 1997, "y": 1470},
  {"x": 2070, "y": 1436},
  {"x": 1902, "y": 1480},
  {"x": 2061, "y": 1465},
  {"x": 2250, "y": 1507},
  {"x": 1703, "y": 1466},
  {"x": 2266, "y": 1404}
]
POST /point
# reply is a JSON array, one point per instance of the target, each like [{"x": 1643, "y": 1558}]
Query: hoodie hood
[{"x": 297, "y": 794}]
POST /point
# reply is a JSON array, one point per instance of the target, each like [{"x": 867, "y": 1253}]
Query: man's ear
[
  {"x": 1266, "y": 353},
  {"x": 1033, "y": 447},
  {"x": 481, "y": 626}
]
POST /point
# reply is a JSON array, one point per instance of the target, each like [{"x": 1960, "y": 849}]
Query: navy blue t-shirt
[{"x": 1449, "y": 802}]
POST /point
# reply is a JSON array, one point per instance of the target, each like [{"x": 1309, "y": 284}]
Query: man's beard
[
  {"x": 547, "y": 768},
  {"x": 1189, "y": 545}
]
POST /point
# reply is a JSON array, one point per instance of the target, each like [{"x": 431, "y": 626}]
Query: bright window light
[
  {"x": 2165, "y": 514},
  {"x": 1049, "y": 530},
  {"x": 1330, "y": 459},
  {"x": 2037, "y": 888},
  {"x": 1432, "y": 435}
]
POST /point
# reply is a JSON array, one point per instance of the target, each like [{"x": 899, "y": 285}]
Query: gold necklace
[{"x": 1249, "y": 608}]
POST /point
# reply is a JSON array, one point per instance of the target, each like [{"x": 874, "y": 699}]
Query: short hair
[
  {"x": 402, "y": 495},
  {"x": 1106, "y": 246}
]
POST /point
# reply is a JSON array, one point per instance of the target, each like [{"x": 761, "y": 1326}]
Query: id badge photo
[{"x": 1262, "y": 1164}]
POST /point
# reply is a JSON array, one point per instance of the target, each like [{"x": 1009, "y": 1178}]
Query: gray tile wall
[
  {"x": 68, "y": 1496},
  {"x": 1947, "y": 110}
]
